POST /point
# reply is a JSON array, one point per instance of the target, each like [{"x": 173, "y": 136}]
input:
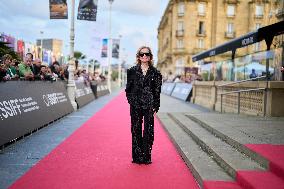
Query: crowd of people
[{"x": 32, "y": 69}]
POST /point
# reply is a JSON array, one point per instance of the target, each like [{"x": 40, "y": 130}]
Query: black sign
[
  {"x": 265, "y": 33},
  {"x": 83, "y": 94},
  {"x": 87, "y": 10},
  {"x": 26, "y": 106},
  {"x": 102, "y": 89}
]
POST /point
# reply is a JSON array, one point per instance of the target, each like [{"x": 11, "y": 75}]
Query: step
[
  {"x": 230, "y": 139},
  {"x": 259, "y": 180},
  {"x": 221, "y": 185},
  {"x": 202, "y": 166},
  {"x": 275, "y": 155},
  {"x": 272, "y": 162},
  {"x": 224, "y": 154}
]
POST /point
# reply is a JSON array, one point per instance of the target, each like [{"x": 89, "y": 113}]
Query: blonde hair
[{"x": 151, "y": 62}]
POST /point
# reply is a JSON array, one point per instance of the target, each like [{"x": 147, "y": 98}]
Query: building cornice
[{"x": 168, "y": 9}]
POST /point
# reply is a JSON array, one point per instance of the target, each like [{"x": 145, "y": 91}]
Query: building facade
[
  {"x": 189, "y": 27},
  {"x": 54, "y": 45}
]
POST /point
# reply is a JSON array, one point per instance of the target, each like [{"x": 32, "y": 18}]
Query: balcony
[
  {"x": 201, "y": 14},
  {"x": 179, "y": 51},
  {"x": 258, "y": 16},
  {"x": 231, "y": 1},
  {"x": 180, "y": 14},
  {"x": 230, "y": 35},
  {"x": 179, "y": 33},
  {"x": 200, "y": 33},
  {"x": 198, "y": 50}
]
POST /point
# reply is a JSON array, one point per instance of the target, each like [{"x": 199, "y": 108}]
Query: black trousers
[{"x": 142, "y": 141}]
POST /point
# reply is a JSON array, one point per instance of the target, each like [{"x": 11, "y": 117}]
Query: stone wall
[{"x": 207, "y": 94}]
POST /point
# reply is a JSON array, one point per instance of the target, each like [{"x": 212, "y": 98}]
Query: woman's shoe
[
  {"x": 137, "y": 162},
  {"x": 147, "y": 162}
]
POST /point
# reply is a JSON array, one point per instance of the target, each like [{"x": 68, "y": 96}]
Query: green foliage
[
  {"x": 7, "y": 50},
  {"x": 79, "y": 55},
  {"x": 205, "y": 76},
  {"x": 114, "y": 75}
]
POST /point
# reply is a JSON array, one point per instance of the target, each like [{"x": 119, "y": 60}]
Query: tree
[
  {"x": 7, "y": 50},
  {"x": 79, "y": 56}
]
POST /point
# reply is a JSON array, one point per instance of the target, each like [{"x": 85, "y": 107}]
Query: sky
[{"x": 135, "y": 21}]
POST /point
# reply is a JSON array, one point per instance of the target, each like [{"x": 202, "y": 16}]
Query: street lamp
[
  {"x": 109, "y": 49},
  {"x": 71, "y": 69},
  {"x": 41, "y": 52},
  {"x": 119, "y": 62}
]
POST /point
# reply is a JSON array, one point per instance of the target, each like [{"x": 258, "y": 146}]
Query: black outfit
[{"x": 143, "y": 95}]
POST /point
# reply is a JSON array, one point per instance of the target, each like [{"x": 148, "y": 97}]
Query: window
[
  {"x": 180, "y": 25},
  {"x": 179, "y": 66},
  {"x": 258, "y": 10},
  {"x": 181, "y": 9},
  {"x": 201, "y": 28},
  {"x": 230, "y": 28},
  {"x": 200, "y": 44},
  {"x": 180, "y": 62},
  {"x": 257, "y": 26},
  {"x": 179, "y": 43},
  {"x": 231, "y": 10},
  {"x": 201, "y": 9}
]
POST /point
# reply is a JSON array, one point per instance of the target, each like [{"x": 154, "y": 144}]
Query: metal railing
[{"x": 247, "y": 90}]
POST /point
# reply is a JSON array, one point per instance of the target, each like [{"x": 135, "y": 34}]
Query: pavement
[
  {"x": 244, "y": 128},
  {"x": 228, "y": 148}
]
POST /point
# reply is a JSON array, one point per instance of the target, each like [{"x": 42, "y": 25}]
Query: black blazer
[{"x": 143, "y": 91}]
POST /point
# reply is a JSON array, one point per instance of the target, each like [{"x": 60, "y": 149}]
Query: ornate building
[{"x": 192, "y": 26}]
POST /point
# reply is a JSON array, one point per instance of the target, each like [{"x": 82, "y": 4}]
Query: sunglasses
[{"x": 142, "y": 54}]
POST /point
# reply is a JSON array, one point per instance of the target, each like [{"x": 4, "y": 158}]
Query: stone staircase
[{"x": 215, "y": 158}]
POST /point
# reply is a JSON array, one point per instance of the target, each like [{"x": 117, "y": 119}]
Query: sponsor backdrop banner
[
  {"x": 21, "y": 48},
  {"x": 83, "y": 94},
  {"x": 115, "y": 48},
  {"x": 102, "y": 89},
  {"x": 104, "y": 48},
  {"x": 26, "y": 106},
  {"x": 87, "y": 10},
  {"x": 58, "y": 9},
  {"x": 182, "y": 91},
  {"x": 167, "y": 88}
]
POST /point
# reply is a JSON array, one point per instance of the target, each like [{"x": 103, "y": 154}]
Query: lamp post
[
  {"x": 71, "y": 69},
  {"x": 119, "y": 63},
  {"x": 109, "y": 49},
  {"x": 41, "y": 50}
]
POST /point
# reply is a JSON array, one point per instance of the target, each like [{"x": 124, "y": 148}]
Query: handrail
[
  {"x": 239, "y": 96},
  {"x": 247, "y": 90},
  {"x": 241, "y": 81}
]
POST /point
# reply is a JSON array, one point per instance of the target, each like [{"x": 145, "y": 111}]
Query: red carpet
[
  {"x": 98, "y": 155},
  {"x": 273, "y": 153}
]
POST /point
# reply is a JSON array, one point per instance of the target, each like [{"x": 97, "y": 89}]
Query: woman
[{"x": 143, "y": 90}]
